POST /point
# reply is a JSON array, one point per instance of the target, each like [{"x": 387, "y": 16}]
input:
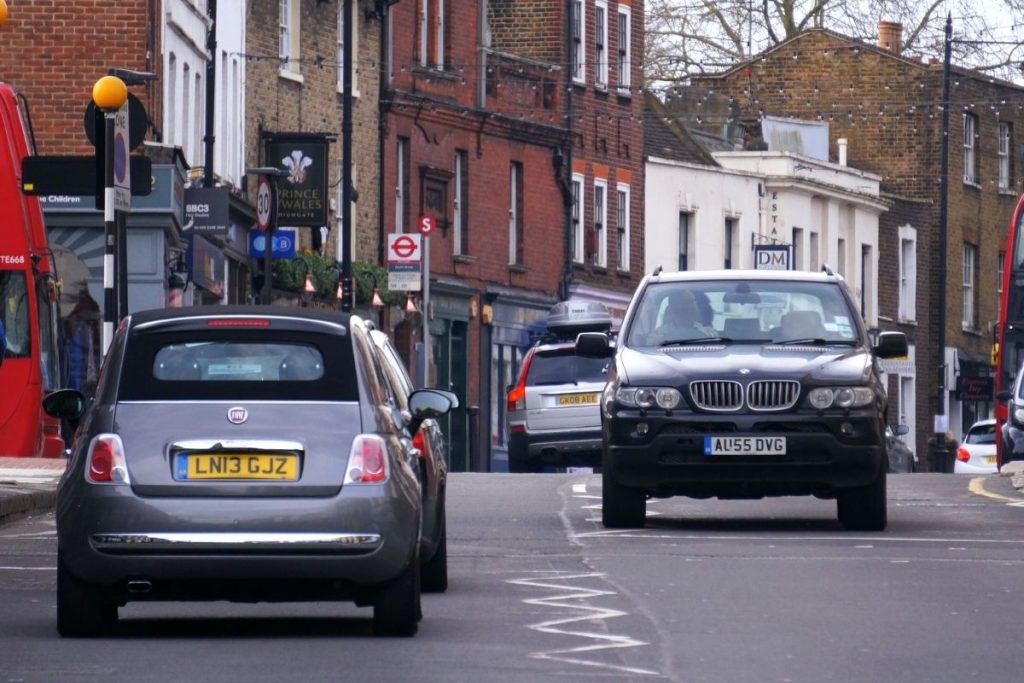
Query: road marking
[
  {"x": 639, "y": 533},
  {"x": 977, "y": 486},
  {"x": 579, "y": 488},
  {"x": 567, "y": 599}
]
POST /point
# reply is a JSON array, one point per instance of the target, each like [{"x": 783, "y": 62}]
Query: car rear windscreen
[
  {"x": 565, "y": 368},
  {"x": 226, "y": 365}
]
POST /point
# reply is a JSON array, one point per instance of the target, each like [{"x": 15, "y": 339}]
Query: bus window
[{"x": 14, "y": 298}]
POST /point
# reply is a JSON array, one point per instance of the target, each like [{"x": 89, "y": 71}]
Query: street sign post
[{"x": 426, "y": 225}]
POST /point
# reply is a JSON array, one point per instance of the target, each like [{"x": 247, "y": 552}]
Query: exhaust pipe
[{"x": 140, "y": 586}]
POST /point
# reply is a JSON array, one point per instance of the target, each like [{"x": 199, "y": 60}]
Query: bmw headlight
[
  {"x": 665, "y": 398},
  {"x": 823, "y": 398}
]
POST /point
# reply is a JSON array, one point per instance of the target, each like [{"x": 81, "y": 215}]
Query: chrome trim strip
[
  {"x": 235, "y": 541},
  {"x": 237, "y": 444},
  {"x": 165, "y": 322}
]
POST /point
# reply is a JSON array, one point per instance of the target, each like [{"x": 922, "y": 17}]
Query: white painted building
[
  {"x": 702, "y": 217},
  {"x": 828, "y": 212},
  {"x": 185, "y": 26}
]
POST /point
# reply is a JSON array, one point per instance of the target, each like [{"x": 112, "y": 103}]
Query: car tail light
[
  {"x": 368, "y": 461},
  {"x": 420, "y": 443},
  {"x": 962, "y": 454},
  {"x": 517, "y": 395},
  {"x": 105, "y": 461}
]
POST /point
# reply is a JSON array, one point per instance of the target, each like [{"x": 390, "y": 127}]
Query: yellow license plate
[
  {"x": 577, "y": 399},
  {"x": 188, "y": 466},
  {"x": 989, "y": 459}
]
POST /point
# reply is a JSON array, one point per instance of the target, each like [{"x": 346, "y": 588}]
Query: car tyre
[
  {"x": 396, "y": 611},
  {"x": 82, "y": 609},
  {"x": 621, "y": 507},
  {"x": 864, "y": 508},
  {"x": 434, "y": 573}
]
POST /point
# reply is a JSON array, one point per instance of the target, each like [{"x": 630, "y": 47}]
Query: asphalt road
[{"x": 709, "y": 591}]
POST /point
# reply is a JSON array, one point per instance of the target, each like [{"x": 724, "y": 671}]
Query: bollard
[{"x": 476, "y": 463}]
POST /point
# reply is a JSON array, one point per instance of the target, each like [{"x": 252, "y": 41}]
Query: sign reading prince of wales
[{"x": 302, "y": 194}]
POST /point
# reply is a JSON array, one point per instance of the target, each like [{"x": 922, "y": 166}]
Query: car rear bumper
[
  {"x": 557, "y": 448},
  {"x": 109, "y": 536},
  {"x": 670, "y": 459}
]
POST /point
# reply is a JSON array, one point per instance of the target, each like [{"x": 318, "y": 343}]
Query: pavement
[{"x": 29, "y": 485}]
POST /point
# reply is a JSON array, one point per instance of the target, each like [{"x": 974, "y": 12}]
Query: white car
[{"x": 977, "y": 454}]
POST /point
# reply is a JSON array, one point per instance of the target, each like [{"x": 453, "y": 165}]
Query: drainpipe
[{"x": 563, "y": 293}]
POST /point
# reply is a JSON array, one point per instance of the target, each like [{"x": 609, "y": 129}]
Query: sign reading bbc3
[{"x": 302, "y": 194}]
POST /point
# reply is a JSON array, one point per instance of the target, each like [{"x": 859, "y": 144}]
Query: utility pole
[
  {"x": 940, "y": 455},
  {"x": 211, "y": 82},
  {"x": 347, "y": 294}
]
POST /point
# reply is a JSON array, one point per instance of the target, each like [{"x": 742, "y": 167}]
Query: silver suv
[{"x": 553, "y": 414}]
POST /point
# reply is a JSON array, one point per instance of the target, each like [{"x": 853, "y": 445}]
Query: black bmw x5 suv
[{"x": 744, "y": 384}]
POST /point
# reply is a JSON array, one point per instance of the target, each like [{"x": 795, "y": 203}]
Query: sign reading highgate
[{"x": 302, "y": 194}]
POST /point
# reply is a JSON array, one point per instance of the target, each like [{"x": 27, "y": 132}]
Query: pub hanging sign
[{"x": 302, "y": 193}]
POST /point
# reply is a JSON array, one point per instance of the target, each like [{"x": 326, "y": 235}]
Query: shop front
[
  {"x": 512, "y": 321},
  {"x": 75, "y": 230}
]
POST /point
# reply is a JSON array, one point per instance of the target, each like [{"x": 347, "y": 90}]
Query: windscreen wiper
[
  {"x": 697, "y": 340},
  {"x": 817, "y": 341}
]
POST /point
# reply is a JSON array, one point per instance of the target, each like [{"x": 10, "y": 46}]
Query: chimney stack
[{"x": 890, "y": 36}]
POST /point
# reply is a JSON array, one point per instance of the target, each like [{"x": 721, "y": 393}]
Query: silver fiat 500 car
[{"x": 241, "y": 453}]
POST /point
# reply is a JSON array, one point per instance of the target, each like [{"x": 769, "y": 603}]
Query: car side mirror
[
  {"x": 450, "y": 395},
  {"x": 891, "y": 345},
  {"x": 427, "y": 403},
  {"x": 593, "y": 345},
  {"x": 900, "y": 430},
  {"x": 66, "y": 404},
  {"x": 1004, "y": 396}
]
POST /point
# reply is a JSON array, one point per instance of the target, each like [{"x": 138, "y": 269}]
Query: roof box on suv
[{"x": 568, "y": 318}]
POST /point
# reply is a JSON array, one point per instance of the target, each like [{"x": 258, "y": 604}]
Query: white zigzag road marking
[{"x": 599, "y": 641}]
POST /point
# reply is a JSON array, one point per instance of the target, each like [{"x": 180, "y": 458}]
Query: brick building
[
  {"x": 501, "y": 119},
  {"x": 889, "y": 109},
  {"x": 294, "y": 75}
]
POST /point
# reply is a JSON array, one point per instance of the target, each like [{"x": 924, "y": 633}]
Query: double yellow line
[{"x": 977, "y": 486}]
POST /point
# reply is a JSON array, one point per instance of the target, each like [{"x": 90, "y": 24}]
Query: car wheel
[
  {"x": 434, "y": 573},
  {"x": 621, "y": 507},
  {"x": 863, "y": 508},
  {"x": 82, "y": 609},
  {"x": 396, "y": 611}
]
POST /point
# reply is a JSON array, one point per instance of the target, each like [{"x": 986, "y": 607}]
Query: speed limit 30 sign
[{"x": 264, "y": 203}]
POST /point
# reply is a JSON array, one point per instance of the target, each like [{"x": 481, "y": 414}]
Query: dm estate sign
[{"x": 302, "y": 194}]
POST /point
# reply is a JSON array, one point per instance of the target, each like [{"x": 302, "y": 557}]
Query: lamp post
[
  {"x": 347, "y": 295},
  {"x": 109, "y": 94},
  {"x": 940, "y": 454}
]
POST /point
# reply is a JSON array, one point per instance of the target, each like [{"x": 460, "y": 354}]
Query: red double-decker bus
[
  {"x": 28, "y": 297},
  {"x": 1009, "y": 349}
]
